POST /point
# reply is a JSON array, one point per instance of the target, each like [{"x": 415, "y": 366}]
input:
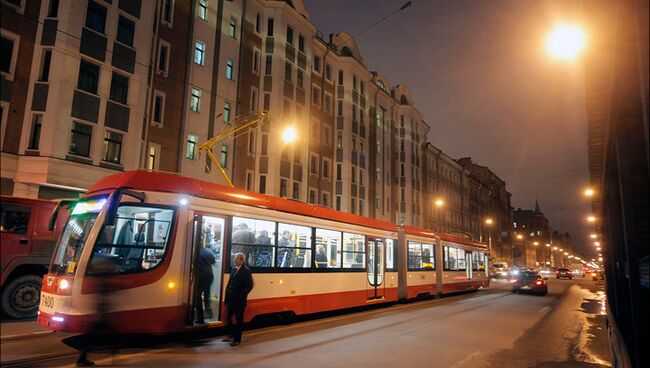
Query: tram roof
[
  {"x": 446, "y": 237},
  {"x": 172, "y": 183}
]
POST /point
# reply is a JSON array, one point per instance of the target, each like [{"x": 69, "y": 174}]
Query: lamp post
[
  {"x": 488, "y": 222},
  {"x": 439, "y": 204}
]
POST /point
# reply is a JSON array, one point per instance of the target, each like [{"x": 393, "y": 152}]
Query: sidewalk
[{"x": 12, "y": 330}]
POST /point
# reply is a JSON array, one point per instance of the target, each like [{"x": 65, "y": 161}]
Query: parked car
[
  {"x": 28, "y": 240},
  {"x": 529, "y": 282},
  {"x": 563, "y": 273}
]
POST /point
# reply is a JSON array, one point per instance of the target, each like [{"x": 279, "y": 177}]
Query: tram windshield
[
  {"x": 72, "y": 241},
  {"x": 137, "y": 242}
]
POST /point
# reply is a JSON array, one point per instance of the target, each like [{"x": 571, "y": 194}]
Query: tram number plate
[{"x": 48, "y": 303}]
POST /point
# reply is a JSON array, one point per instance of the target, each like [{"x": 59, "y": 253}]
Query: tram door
[
  {"x": 207, "y": 268},
  {"x": 468, "y": 264},
  {"x": 375, "y": 249}
]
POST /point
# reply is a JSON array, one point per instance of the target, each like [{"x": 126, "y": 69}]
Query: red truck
[{"x": 28, "y": 237}]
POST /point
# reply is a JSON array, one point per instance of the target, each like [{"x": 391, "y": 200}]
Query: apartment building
[
  {"x": 73, "y": 93},
  {"x": 143, "y": 84}
]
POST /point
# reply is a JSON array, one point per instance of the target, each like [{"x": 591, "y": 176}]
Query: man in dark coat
[
  {"x": 239, "y": 285},
  {"x": 204, "y": 278}
]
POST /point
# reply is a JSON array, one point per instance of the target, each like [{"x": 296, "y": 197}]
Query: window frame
[
  {"x": 167, "y": 46},
  {"x": 90, "y": 139},
  {"x": 197, "y": 98},
  {"x": 168, "y": 22},
  {"x": 14, "y": 53},
  {"x": 163, "y": 96},
  {"x": 200, "y": 51},
  {"x": 108, "y": 141}
]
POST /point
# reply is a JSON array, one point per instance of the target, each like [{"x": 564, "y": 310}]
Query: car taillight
[
  {"x": 513, "y": 281},
  {"x": 539, "y": 282}
]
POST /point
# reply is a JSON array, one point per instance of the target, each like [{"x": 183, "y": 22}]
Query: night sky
[{"x": 479, "y": 73}]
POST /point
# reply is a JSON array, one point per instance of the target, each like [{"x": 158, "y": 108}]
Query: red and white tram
[{"x": 142, "y": 233}]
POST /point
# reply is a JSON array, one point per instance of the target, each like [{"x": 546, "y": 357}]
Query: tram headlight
[{"x": 64, "y": 284}]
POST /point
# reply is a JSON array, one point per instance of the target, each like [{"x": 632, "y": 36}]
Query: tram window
[
  {"x": 453, "y": 257},
  {"x": 354, "y": 251},
  {"x": 328, "y": 249},
  {"x": 294, "y": 246},
  {"x": 475, "y": 260},
  {"x": 461, "y": 260},
  {"x": 390, "y": 255},
  {"x": 14, "y": 219},
  {"x": 415, "y": 256},
  {"x": 138, "y": 241},
  {"x": 428, "y": 256},
  {"x": 481, "y": 261},
  {"x": 254, "y": 238}
]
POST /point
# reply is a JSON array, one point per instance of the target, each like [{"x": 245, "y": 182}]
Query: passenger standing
[
  {"x": 239, "y": 285},
  {"x": 204, "y": 279}
]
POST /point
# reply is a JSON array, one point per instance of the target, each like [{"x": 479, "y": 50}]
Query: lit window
[
  {"x": 224, "y": 155},
  {"x": 229, "y": 69},
  {"x": 203, "y": 9},
  {"x": 232, "y": 27},
  {"x": 195, "y": 100},
  {"x": 354, "y": 251},
  {"x": 199, "y": 53},
  {"x": 328, "y": 249},
  {"x": 190, "y": 152},
  {"x": 226, "y": 112}
]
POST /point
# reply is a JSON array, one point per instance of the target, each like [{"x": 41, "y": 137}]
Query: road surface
[{"x": 490, "y": 328}]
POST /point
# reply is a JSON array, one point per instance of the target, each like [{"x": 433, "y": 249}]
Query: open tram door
[
  {"x": 207, "y": 269},
  {"x": 376, "y": 266}
]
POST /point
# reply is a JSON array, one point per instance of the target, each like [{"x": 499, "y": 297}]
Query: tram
[{"x": 141, "y": 234}]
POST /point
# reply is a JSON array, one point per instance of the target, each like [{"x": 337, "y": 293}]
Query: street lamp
[
  {"x": 439, "y": 203},
  {"x": 489, "y": 222},
  {"x": 519, "y": 236},
  {"x": 289, "y": 134},
  {"x": 589, "y": 192},
  {"x": 591, "y": 218},
  {"x": 597, "y": 244},
  {"x": 593, "y": 236},
  {"x": 535, "y": 243},
  {"x": 565, "y": 42}
]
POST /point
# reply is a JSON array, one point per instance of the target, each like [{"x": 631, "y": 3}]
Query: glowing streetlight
[
  {"x": 439, "y": 202},
  {"x": 535, "y": 243},
  {"x": 548, "y": 245},
  {"x": 489, "y": 221},
  {"x": 589, "y": 192},
  {"x": 519, "y": 236},
  {"x": 289, "y": 134},
  {"x": 565, "y": 42},
  {"x": 597, "y": 244},
  {"x": 566, "y": 253},
  {"x": 598, "y": 249},
  {"x": 591, "y": 218},
  {"x": 593, "y": 236},
  {"x": 554, "y": 248}
]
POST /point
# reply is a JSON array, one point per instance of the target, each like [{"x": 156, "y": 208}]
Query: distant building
[
  {"x": 489, "y": 198},
  {"x": 533, "y": 226}
]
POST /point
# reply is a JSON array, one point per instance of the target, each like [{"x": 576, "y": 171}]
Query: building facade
[
  {"x": 489, "y": 199},
  {"x": 533, "y": 229},
  {"x": 98, "y": 87}
]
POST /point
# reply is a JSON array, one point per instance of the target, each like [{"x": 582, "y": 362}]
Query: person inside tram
[
  {"x": 321, "y": 257},
  {"x": 204, "y": 277},
  {"x": 242, "y": 234},
  {"x": 285, "y": 255},
  {"x": 263, "y": 238}
]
